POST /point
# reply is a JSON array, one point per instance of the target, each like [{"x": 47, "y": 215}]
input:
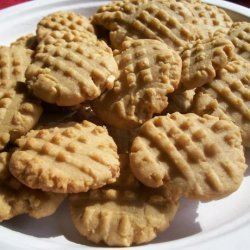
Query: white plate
[{"x": 223, "y": 224}]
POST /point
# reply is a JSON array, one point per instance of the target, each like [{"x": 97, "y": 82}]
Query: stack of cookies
[{"x": 125, "y": 113}]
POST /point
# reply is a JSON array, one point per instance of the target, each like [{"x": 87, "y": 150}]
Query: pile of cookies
[{"x": 124, "y": 113}]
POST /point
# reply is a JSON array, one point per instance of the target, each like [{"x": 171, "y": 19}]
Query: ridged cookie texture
[
  {"x": 18, "y": 114},
  {"x": 199, "y": 157},
  {"x": 13, "y": 64},
  {"x": 63, "y": 37},
  {"x": 167, "y": 21},
  {"x": 17, "y": 199},
  {"x": 208, "y": 19},
  {"x": 71, "y": 159},
  {"x": 239, "y": 34},
  {"x": 61, "y": 21},
  {"x": 68, "y": 73},
  {"x": 228, "y": 96},
  {"x": 122, "y": 214},
  {"x": 149, "y": 71},
  {"x": 201, "y": 61}
]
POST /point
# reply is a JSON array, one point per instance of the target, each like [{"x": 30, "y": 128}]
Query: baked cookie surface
[
  {"x": 200, "y": 157},
  {"x": 63, "y": 21},
  {"x": 228, "y": 96},
  {"x": 18, "y": 114},
  {"x": 149, "y": 70},
  {"x": 239, "y": 34},
  {"x": 202, "y": 60},
  {"x": 166, "y": 21},
  {"x": 16, "y": 199},
  {"x": 13, "y": 64},
  {"x": 123, "y": 213},
  {"x": 69, "y": 69},
  {"x": 70, "y": 159}
]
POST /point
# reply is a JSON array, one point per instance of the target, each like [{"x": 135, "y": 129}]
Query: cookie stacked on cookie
[{"x": 126, "y": 112}]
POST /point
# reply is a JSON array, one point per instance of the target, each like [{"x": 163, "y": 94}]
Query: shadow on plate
[
  {"x": 58, "y": 224},
  {"x": 184, "y": 223}
]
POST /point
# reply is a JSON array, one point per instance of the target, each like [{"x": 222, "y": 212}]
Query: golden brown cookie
[
  {"x": 13, "y": 64},
  {"x": 18, "y": 114},
  {"x": 228, "y": 96},
  {"x": 70, "y": 159},
  {"x": 61, "y": 21},
  {"x": 239, "y": 34},
  {"x": 199, "y": 157},
  {"x": 68, "y": 73},
  {"x": 167, "y": 21},
  {"x": 201, "y": 61},
  {"x": 16, "y": 199},
  {"x": 28, "y": 41},
  {"x": 208, "y": 19},
  {"x": 123, "y": 213},
  {"x": 180, "y": 101},
  {"x": 149, "y": 70}
]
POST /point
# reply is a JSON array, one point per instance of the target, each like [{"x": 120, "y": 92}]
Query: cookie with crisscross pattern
[
  {"x": 69, "y": 159},
  {"x": 18, "y": 114},
  {"x": 16, "y": 199},
  {"x": 63, "y": 21},
  {"x": 13, "y": 64},
  {"x": 123, "y": 213},
  {"x": 67, "y": 36},
  {"x": 208, "y": 19},
  {"x": 199, "y": 157},
  {"x": 239, "y": 34},
  {"x": 167, "y": 21},
  {"x": 201, "y": 61},
  {"x": 228, "y": 96},
  {"x": 149, "y": 70},
  {"x": 68, "y": 73}
]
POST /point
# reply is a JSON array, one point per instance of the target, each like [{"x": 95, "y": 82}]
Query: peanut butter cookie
[
  {"x": 16, "y": 199},
  {"x": 70, "y": 159},
  {"x": 123, "y": 213},
  {"x": 199, "y": 157},
  {"x": 149, "y": 71}
]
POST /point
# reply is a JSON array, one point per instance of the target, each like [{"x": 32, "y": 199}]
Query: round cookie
[
  {"x": 68, "y": 73},
  {"x": 18, "y": 114},
  {"x": 228, "y": 96},
  {"x": 69, "y": 159},
  {"x": 149, "y": 71},
  {"x": 123, "y": 213},
  {"x": 199, "y": 157},
  {"x": 63, "y": 21},
  {"x": 167, "y": 21},
  {"x": 239, "y": 34},
  {"x": 202, "y": 59},
  {"x": 16, "y": 199}
]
